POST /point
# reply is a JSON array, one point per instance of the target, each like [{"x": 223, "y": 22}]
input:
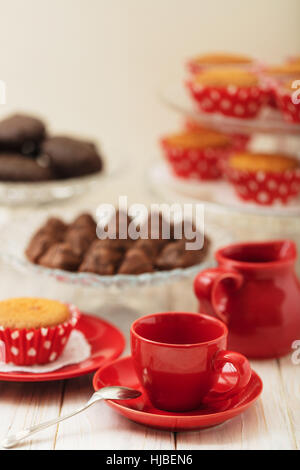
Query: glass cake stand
[
  {"x": 22, "y": 194},
  {"x": 269, "y": 121},
  {"x": 223, "y": 209},
  {"x": 108, "y": 296}
]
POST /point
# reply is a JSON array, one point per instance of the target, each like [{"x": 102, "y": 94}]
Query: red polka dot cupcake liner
[
  {"x": 239, "y": 141},
  {"x": 265, "y": 188},
  {"x": 27, "y": 347},
  {"x": 231, "y": 101},
  {"x": 199, "y": 164},
  {"x": 270, "y": 84},
  {"x": 194, "y": 68},
  {"x": 289, "y": 109}
]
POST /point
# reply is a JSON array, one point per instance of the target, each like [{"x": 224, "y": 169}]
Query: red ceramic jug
[{"x": 255, "y": 291}]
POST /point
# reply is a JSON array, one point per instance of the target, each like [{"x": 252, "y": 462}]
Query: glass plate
[
  {"x": 17, "y": 194},
  {"x": 14, "y": 238},
  {"x": 218, "y": 196},
  {"x": 269, "y": 121}
]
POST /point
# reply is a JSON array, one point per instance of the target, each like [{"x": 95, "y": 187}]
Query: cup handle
[
  {"x": 231, "y": 381},
  {"x": 213, "y": 288}
]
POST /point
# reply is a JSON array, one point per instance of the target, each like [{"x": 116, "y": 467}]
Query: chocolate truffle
[
  {"x": 80, "y": 239},
  {"x": 55, "y": 226},
  {"x": 60, "y": 256},
  {"x": 100, "y": 261},
  {"x": 150, "y": 247},
  {"x": 21, "y": 133},
  {"x": 72, "y": 157},
  {"x": 38, "y": 245},
  {"x": 175, "y": 255},
  {"x": 136, "y": 262},
  {"x": 155, "y": 228},
  {"x": 84, "y": 221}
]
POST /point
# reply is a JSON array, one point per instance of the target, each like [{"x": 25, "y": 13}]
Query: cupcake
[
  {"x": 264, "y": 178},
  {"x": 34, "y": 330},
  {"x": 231, "y": 91},
  {"x": 197, "y": 154},
  {"x": 199, "y": 63},
  {"x": 288, "y": 101},
  {"x": 239, "y": 142},
  {"x": 294, "y": 60},
  {"x": 276, "y": 76},
  {"x": 284, "y": 72}
]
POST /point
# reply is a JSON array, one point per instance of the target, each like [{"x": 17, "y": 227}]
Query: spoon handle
[{"x": 14, "y": 439}]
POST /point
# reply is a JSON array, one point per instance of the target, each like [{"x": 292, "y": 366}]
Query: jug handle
[{"x": 206, "y": 286}]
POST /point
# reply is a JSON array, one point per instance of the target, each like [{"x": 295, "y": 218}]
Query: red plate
[
  {"x": 121, "y": 372},
  {"x": 107, "y": 343}
]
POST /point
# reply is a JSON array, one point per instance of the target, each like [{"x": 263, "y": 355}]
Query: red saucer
[
  {"x": 121, "y": 372},
  {"x": 107, "y": 343}
]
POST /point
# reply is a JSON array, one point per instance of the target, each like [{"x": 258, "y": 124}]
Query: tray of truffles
[
  {"x": 71, "y": 252},
  {"x": 37, "y": 167},
  {"x": 235, "y": 93}
]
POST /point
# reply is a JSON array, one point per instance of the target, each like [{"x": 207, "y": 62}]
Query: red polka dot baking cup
[
  {"x": 265, "y": 188},
  {"x": 231, "y": 101},
  {"x": 28, "y": 347},
  {"x": 289, "y": 109},
  {"x": 193, "y": 163},
  {"x": 270, "y": 84}
]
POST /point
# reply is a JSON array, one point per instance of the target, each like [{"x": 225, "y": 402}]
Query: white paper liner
[{"x": 77, "y": 350}]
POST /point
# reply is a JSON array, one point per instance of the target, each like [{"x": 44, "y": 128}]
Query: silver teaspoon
[{"x": 106, "y": 393}]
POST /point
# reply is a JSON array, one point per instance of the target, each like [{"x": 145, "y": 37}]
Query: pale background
[{"x": 94, "y": 66}]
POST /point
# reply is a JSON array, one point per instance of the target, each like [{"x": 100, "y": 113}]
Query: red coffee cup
[{"x": 179, "y": 358}]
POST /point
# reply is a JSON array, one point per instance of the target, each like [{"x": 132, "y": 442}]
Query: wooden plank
[
  {"x": 264, "y": 426},
  {"x": 290, "y": 377},
  {"x": 27, "y": 404},
  {"x": 100, "y": 427}
]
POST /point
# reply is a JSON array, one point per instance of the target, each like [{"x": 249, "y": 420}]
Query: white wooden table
[{"x": 272, "y": 423}]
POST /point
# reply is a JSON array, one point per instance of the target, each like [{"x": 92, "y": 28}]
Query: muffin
[
  {"x": 284, "y": 71},
  {"x": 35, "y": 330},
  {"x": 201, "y": 62},
  {"x": 294, "y": 60},
  {"x": 264, "y": 178},
  {"x": 288, "y": 101},
  {"x": 276, "y": 76},
  {"x": 196, "y": 155},
  {"x": 239, "y": 142},
  {"x": 230, "y": 91}
]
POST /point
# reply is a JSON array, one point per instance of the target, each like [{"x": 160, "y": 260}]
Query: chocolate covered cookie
[
  {"x": 15, "y": 167},
  {"x": 72, "y": 157},
  {"x": 21, "y": 133}
]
